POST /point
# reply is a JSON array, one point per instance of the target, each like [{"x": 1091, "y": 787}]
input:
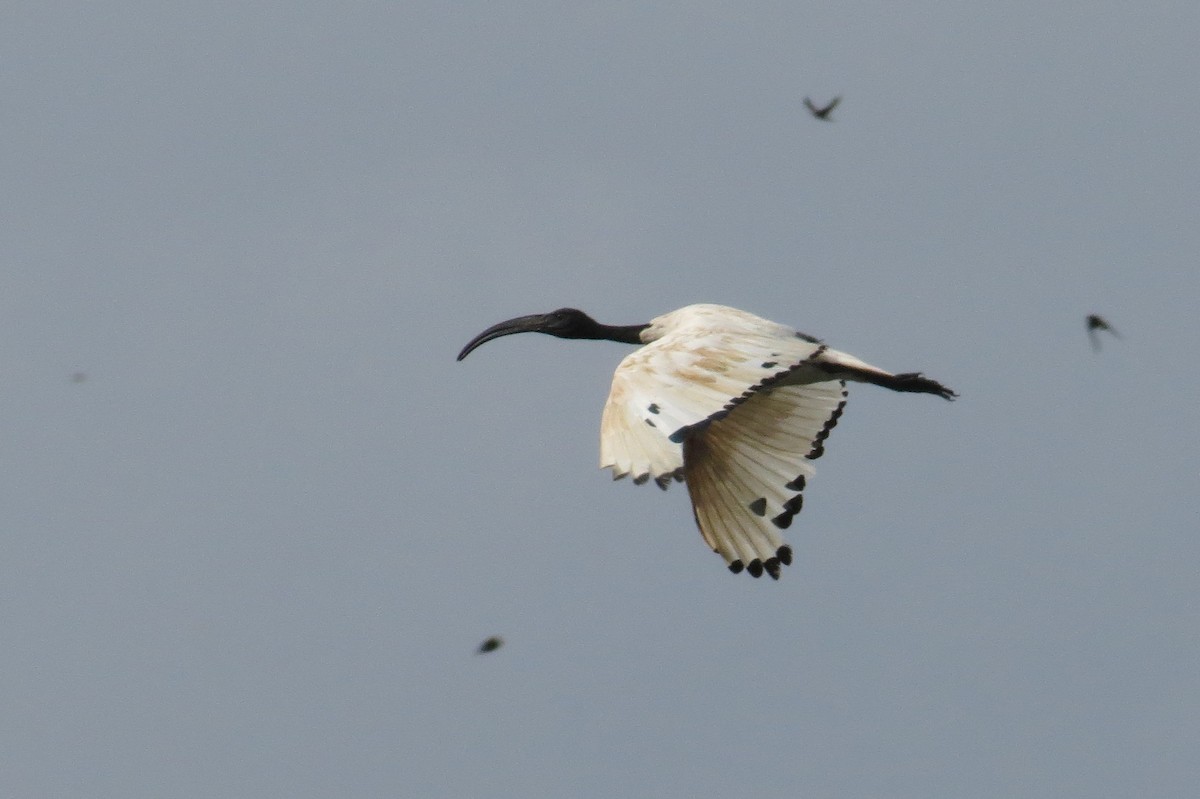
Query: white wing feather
[
  {"x": 667, "y": 389},
  {"x": 746, "y": 471}
]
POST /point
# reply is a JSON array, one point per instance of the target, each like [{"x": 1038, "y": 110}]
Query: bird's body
[
  {"x": 732, "y": 404},
  {"x": 822, "y": 112}
]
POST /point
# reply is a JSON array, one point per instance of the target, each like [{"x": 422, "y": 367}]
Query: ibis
[
  {"x": 735, "y": 406},
  {"x": 822, "y": 112},
  {"x": 1096, "y": 323}
]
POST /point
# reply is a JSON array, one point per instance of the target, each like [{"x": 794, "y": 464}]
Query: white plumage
[{"x": 734, "y": 405}]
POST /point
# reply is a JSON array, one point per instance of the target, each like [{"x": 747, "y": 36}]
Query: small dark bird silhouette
[
  {"x": 490, "y": 645},
  {"x": 1094, "y": 325},
  {"x": 822, "y": 113}
]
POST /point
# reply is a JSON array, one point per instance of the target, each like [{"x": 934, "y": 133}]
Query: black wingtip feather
[
  {"x": 818, "y": 445},
  {"x": 790, "y": 509}
]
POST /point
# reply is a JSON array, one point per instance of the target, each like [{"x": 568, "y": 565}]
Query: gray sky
[{"x": 252, "y": 554}]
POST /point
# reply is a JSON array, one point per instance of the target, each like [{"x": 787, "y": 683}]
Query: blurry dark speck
[{"x": 490, "y": 645}]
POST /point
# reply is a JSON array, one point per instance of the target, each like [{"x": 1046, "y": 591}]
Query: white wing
[
  {"x": 739, "y": 412},
  {"x": 668, "y": 390},
  {"x": 745, "y": 472}
]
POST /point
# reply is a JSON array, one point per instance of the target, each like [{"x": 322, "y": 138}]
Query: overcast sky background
[{"x": 252, "y": 553}]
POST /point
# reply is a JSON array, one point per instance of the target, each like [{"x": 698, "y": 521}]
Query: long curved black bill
[{"x": 522, "y": 324}]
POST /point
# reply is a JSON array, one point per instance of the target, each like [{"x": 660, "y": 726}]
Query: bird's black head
[
  {"x": 567, "y": 323},
  {"x": 563, "y": 323}
]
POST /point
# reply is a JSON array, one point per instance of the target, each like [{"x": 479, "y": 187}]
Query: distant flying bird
[
  {"x": 1097, "y": 323},
  {"x": 733, "y": 404},
  {"x": 822, "y": 113},
  {"x": 490, "y": 645}
]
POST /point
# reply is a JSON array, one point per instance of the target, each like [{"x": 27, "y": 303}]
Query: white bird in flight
[{"x": 734, "y": 405}]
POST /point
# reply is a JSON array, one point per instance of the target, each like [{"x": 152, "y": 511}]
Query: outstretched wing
[
  {"x": 746, "y": 471},
  {"x": 633, "y": 435},
  {"x": 672, "y": 388}
]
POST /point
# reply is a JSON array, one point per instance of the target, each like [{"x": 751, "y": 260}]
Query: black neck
[{"x": 625, "y": 334}]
